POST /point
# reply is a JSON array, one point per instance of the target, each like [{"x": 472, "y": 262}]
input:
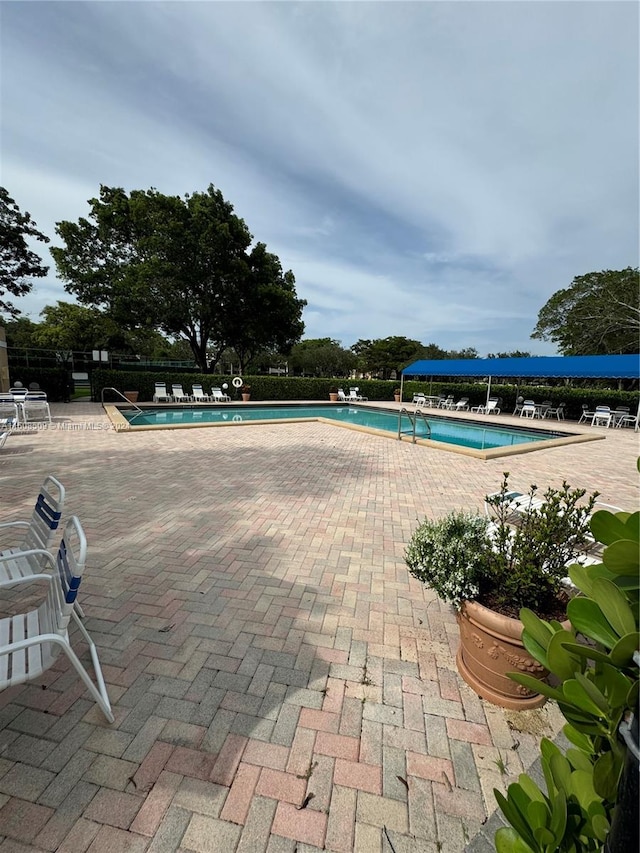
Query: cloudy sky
[{"x": 429, "y": 169}]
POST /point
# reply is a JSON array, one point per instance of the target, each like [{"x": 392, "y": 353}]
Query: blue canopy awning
[{"x": 571, "y": 366}]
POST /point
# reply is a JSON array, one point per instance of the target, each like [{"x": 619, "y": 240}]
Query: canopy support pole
[
  {"x": 488, "y": 392},
  {"x": 401, "y": 385}
]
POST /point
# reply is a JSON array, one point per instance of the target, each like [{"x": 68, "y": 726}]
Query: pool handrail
[{"x": 126, "y": 399}]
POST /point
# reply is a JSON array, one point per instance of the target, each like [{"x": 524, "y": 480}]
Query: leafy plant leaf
[
  {"x": 508, "y": 841},
  {"x": 615, "y": 607},
  {"x": 622, "y": 557},
  {"x": 587, "y": 618},
  {"x": 606, "y": 527}
]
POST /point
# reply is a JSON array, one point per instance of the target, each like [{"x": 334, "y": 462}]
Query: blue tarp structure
[
  {"x": 536, "y": 367},
  {"x": 570, "y": 366}
]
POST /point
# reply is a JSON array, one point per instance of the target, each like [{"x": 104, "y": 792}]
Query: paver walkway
[{"x": 279, "y": 681}]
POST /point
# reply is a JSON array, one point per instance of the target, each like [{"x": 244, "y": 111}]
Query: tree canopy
[
  {"x": 387, "y": 355},
  {"x": 18, "y": 263},
  {"x": 598, "y": 314},
  {"x": 183, "y": 266},
  {"x": 322, "y": 357}
]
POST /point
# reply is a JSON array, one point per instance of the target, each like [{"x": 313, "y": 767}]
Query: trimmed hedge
[
  {"x": 262, "y": 387},
  {"x": 301, "y": 388},
  {"x": 52, "y": 380}
]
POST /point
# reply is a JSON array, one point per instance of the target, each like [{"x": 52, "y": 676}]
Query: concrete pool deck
[{"x": 262, "y": 642}]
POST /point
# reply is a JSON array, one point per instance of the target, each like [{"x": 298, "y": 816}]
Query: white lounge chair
[
  {"x": 160, "y": 394},
  {"x": 462, "y": 405},
  {"x": 446, "y": 403},
  {"x": 35, "y": 407},
  {"x": 218, "y": 396},
  {"x": 178, "y": 395},
  {"x": 342, "y": 397},
  {"x": 356, "y": 396},
  {"x": 31, "y": 642},
  {"x": 492, "y": 407},
  {"x": 197, "y": 394},
  {"x": 9, "y": 408}
]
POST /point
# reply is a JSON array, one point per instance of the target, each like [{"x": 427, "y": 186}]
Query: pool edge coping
[{"x": 122, "y": 425}]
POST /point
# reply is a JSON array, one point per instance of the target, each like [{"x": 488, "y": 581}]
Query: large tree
[
  {"x": 18, "y": 263},
  {"x": 386, "y": 355},
  {"x": 322, "y": 357},
  {"x": 183, "y": 266},
  {"x": 598, "y": 314},
  {"x": 68, "y": 327}
]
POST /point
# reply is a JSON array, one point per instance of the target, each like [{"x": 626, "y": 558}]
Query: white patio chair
[
  {"x": 197, "y": 394},
  {"x": 35, "y": 407},
  {"x": 4, "y": 435},
  {"x": 160, "y": 394},
  {"x": 342, "y": 397},
  {"x": 24, "y": 562},
  {"x": 602, "y": 416},
  {"x": 558, "y": 411},
  {"x": 31, "y": 642},
  {"x": 462, "y": 405},
  {"x": 586, "y": 415},
  {"x": 627, "y": 420},
  {"x": 178, "y": 395},
  {"x": 529, "y": 409},
  {"x": 218, "y": 396}
]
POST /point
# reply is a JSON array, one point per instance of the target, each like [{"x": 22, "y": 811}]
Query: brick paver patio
[{"x": 279, "y": 682}]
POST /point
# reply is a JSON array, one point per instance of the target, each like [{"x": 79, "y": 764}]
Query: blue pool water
[{"x": 463, "y": 433}]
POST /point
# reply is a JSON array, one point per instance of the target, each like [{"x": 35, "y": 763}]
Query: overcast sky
[{"x": 429, "y": 169}]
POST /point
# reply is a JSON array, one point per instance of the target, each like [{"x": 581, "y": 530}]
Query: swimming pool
[{"x": 458, "y": 433}]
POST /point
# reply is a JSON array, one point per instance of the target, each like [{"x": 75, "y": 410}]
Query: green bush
[
  {"x": 308, "y": 388},
  {"x": 595, "y": 663},
  {"x": 52, "y": 380}
]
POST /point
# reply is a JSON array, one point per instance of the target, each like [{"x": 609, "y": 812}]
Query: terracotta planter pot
[
  {"x": 333, "y": 397},
  {"x": 490, "y": 647},
  {"x": 132, "y": 396},
  {"x": 246, "y": 398},
  {"x": 396, "y": 397}
]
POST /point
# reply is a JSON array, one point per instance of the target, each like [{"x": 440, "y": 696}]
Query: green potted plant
[
  {"x": 245, "y": 390},
  {"x": 490, "y": 569},
  {"x": 591, "y": 794},
  {"x": 397, "y": 395},
  {"x": 333, "y": 395}
]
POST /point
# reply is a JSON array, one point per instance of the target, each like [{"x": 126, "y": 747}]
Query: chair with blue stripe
[
  {"x": 26, "y": 562},
  {"x": 31, "y": 642}
]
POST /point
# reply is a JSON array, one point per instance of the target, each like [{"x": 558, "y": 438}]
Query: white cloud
[{"x": 430, "y": 169}]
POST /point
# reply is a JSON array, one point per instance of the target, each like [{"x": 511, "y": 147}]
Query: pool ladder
[
  {"x": 135, "y": 405},
  {"x": 413, "y": 417}
]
